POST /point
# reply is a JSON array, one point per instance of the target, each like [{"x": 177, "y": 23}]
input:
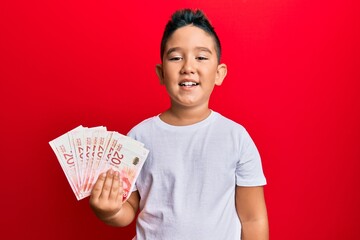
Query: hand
[{"x": 106, "y": 198}]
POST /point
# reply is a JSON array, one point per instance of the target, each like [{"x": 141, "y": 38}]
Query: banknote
[
  {"x": 127, "y": 158},
  {"x": 63, "y": 151},
  {"x": 86, "y": 152}
]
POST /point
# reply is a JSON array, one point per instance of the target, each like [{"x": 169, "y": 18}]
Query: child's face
[{"x": 190, "y": 68}]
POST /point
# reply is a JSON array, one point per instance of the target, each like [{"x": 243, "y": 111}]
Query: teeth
[{"x": 188, "y": 84}]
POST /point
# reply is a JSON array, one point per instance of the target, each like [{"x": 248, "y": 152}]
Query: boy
[{"x": 203, "y": 177}]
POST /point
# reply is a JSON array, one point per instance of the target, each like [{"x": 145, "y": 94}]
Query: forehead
[{"x": 190, "y": 36}]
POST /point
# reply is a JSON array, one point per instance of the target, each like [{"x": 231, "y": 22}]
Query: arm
[
  {"x": 106, "y": 201},
  {"x": 251, "y": 209}
]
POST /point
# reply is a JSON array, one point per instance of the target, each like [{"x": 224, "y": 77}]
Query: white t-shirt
[{"x": 187, "y": 184}]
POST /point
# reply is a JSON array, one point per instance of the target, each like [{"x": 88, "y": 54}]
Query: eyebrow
[{"x": 174, "y": 49}]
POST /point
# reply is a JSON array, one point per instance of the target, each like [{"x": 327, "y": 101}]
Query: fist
[{"x": 106, "y": 198}]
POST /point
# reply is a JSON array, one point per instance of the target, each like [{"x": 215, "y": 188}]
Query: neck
[{"x": 182, "y": 116}]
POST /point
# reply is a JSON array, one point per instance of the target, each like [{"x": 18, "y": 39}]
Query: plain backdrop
[{"x": 293, "y": 82}]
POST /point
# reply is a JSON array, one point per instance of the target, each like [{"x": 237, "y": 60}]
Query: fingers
[
  {"x": 96, "y": 192},
  {"x": 116, "y": 189},
  {"x": 110, "y": 186},
  {"x": 106, "y": 196},
  {"x": 107, "y": 184}
]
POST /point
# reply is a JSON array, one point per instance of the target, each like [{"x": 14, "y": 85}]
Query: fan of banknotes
[{"x": 84, "y": 153}]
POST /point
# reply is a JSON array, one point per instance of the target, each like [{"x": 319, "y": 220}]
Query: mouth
[{"x": 188, "y": 84}]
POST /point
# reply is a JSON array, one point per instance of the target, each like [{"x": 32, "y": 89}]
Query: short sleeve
[
  {"x": 249, "y": 172},
  {"x": 134, "y": 188}
]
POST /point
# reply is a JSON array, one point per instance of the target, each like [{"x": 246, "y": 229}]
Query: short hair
[{"x": 184, "y": 17}]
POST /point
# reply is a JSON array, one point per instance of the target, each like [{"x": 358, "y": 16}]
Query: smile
[{"x": 188, "y": 84}]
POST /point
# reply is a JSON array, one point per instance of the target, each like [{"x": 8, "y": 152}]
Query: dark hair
[{"x": 184, "y": 17}]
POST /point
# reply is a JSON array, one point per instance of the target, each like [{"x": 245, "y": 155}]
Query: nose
[{"x": 188, "y": 67}]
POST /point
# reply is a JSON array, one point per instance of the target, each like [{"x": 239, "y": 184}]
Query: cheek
[
  {"x": 170, "y": 72},
  {"x": 210, "y": 73},
  {"x": 211, "y": 67},
  {"x": 169, "y": 76}
]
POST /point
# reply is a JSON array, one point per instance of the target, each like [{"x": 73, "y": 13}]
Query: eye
[
  {"x": 201, "y": 58},
  {"x": 176, "y": 58}
]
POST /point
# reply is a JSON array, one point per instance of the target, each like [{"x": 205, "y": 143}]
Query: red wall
[{"x": 293, "y": 82}]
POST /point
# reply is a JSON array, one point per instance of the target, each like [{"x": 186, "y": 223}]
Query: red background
[{"x": 293, "y": 82}]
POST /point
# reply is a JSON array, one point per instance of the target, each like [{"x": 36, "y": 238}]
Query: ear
[
  {"x": 220, "y": 74},
  {"x": 160, "y": 73}
]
